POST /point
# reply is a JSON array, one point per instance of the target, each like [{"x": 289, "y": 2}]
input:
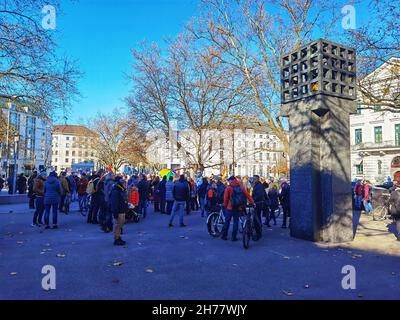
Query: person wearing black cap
[{"x": 118, "y": 207}]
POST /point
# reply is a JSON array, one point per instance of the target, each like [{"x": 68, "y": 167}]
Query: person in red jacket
[{"x": 235, "y": 201}]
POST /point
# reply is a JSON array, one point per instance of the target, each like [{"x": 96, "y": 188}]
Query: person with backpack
[
  {"x": 394, "y": 203},
  {"x": 181, "y": 194},
  {"x": 235, "y": 201},
  {"x": 367, "y": 197},
  {"x": 220, "y": 192},
  {"x": 212, "y": 198},
  {"x": 118, "y": 208},
  {"x": 258, "y": 194}
]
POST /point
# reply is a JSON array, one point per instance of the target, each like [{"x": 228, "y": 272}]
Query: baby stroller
[{"x": 133, "y": 201}]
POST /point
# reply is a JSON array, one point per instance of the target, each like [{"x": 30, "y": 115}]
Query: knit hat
[
  {"x": 397, "y": 176},
  {"x": 43, "y": 174}
]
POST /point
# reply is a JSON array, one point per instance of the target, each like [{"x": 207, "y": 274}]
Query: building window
[
  {"x": 358, "y": 135},
  {"x": 73, "y": 161},
  {"x": 67, "y": 153},
  {"x": 378, "y": 134},
  {"x": 360, "y": 168},
  {"x": 359, "y": 109},
  {"x": 67, "y": 145},
  {"x": 73, "y": 153},
  {"x": 397, "y": 134},
  {"x": 379, "y": 167},
  {"x": 67, "y": 138},
  {"x": 66, "y": 160}
]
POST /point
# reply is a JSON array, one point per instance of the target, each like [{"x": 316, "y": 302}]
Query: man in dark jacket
[
  {"x": 202, "y": 192},
  {"x": 118, "y": 208},
  {"x": 259, "y": 199},
  {"x": 284, "y": 198},
  {"x": 144, "y": 193},
  {"x": 181, "y": 194},
  {"x": 162, "y": 193},
  {"x": 21, "y": 183},
  {"x": 52, "y": 197},
  {"x": 38, "y": 191}
]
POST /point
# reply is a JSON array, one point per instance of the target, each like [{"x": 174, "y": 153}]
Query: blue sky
[{"x": 100, "y": 35}]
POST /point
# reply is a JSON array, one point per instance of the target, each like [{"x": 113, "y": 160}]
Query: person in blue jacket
[{"x": 52, "y": 197}]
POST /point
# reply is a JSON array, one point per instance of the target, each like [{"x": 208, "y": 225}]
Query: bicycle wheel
[
  {"x": 214, "y": 224},
  {"x": 247, "y": 234},
  {"x": 380, "y": 213},
  {"x": 242, "y": 220}
]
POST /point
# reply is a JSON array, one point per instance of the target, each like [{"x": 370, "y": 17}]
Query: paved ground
[{"x": 187, "y": 263}]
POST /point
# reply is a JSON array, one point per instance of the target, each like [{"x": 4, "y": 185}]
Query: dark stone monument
[{"x": 318, "y": 96}]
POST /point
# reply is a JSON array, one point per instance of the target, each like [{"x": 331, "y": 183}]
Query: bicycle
[
  {"x": 83, "y": 205},
  {"x": 216, "y": 220},
  {"x": 249, "y": 228},
  {"x": 381, "y": 213}
]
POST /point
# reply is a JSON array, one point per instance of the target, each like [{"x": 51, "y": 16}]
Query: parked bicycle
[
  {"x": 216, "y": 220},
  {"x": 249, "y": 227},
  {"x": 83, "y": 205},
  {"x": 381, "y": 212}
]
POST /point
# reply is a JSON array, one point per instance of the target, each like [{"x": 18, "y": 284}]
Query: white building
[
  {"x": 375, "y": 134},
  {"x": 244, "y": 151},
  {"x": 71, "y": 145},
  {"x": 27, "y": 140}
]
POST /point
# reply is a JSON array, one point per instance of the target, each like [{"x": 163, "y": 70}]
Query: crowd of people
[{"x": 105, "y": 198}]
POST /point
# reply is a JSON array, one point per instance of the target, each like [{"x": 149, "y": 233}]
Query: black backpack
[{"x": 238, "y": 198}]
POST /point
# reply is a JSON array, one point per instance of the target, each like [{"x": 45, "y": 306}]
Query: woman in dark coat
[
  {"x": 156, "y": 193},
  {"x": 52, "y": 197},
  {"x": 21, "y": 184},
  {"x": 273, "y": 204},
  {"x": 118, "y": 208}
]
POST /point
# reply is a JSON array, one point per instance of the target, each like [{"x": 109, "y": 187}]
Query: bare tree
[
  {"x": 253, "y": 35},
  {"x": 378, "y": 46},
  {"x": 30, "y": 71},
  {"x": 119, "y": 140}
]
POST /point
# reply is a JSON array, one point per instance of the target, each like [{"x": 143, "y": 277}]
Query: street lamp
[{"x": 16, "y": 140}]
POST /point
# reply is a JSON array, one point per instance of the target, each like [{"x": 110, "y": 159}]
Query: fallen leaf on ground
[
  {"x": 115, "y": 280},
  {"x": 13, "y": 273},
  {"x": 149, "y": 270},
  {"x": 393, "y": 273},
  {"x": 139, "y": 243},
  {"x": 118, "y": 264},
  {"x": 306, "y": 286},
  {"x": 287, "y": 258},
  {"x": 235, "y": 265},
  {"x": 20, "y": 242},
  {"x": 288, "y": 293},
  {"x": 60, "y": 255},
  {"x": 183, "y": 237}
]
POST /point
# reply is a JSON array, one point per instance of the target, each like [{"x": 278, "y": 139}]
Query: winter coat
[
  {"x": 38, "y": 187},
  {"x": 64, "y": 186},
  {"x": 108, "y": 186},
  {"x": 118, "y": 200},
  {"x": 82, "y": 186},
  {"x": 162, "y": 189},
  {"x": 367, "y": 193},
  {"x": 202, "y": 190},
  {"x": 181, "y": 191},
  {"x": 258, "y": 193},
  {"x": 273, "y": 198},
  {"x": 71, "y": 183},
  {"x": 284, "y": 196},
  {"x": 144, "y": 190},
  {"x": 21, "y": 184},
  {"x": 52, "y": 190},
  {"x": 220, "y": 192},
  {"x": 169, "y": 191},
  {"x": 229, "y": 192},
  {"x": 394, "y": 201}
]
